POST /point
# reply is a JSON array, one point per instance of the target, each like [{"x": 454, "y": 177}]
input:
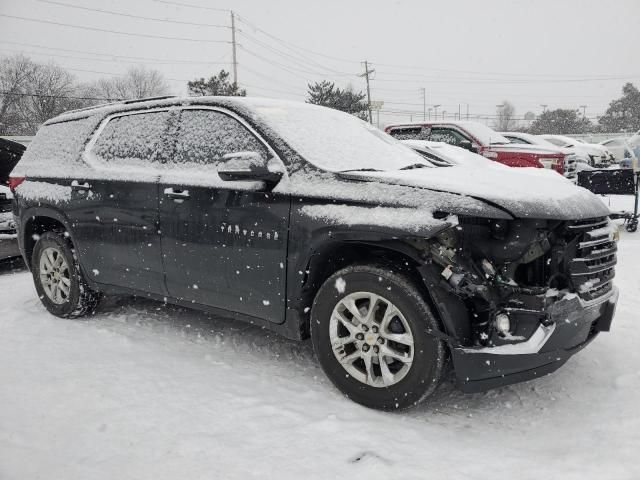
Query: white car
[
  {"x": 599, "y": 155},
  {"x": 618, "y": 147},
  {"x": 575, "y": 160}
]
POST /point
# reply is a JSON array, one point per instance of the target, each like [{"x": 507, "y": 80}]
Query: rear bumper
[
  {"x": 8, "y": 245},
  {"x": 573, "y": 324}
]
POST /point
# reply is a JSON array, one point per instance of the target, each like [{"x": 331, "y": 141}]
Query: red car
[{"x": 481, "y": 139}]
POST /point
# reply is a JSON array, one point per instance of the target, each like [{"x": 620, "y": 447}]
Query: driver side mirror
[
  {"x": 249, "y": 167},
  {"x": 467, "y": 145}
]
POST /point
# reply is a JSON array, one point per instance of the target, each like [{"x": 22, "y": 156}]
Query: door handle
[
  {"x": 177, "y": 194},
  {"x": 75, "y": 185}
]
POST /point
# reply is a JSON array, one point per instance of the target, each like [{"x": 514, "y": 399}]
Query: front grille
[{"x": 591, "y": 257}]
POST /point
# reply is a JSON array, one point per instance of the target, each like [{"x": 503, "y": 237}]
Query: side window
[
  {"x": 447, "y": 135},
  {"x": 409, "y": 133},
  {"x": 133, "y": 140},
  {"x": 205, "y": 136}
]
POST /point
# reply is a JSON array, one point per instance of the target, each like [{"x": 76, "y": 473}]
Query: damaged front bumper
[{"x": 570, "y": 324}]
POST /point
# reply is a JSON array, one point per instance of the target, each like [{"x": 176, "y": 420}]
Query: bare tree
[
  {"x": 505, "y": 120},
  {"x": 14, "y": 75},
  {"x": 49, "y": 91},
  {"x": 138, "y": 82}
]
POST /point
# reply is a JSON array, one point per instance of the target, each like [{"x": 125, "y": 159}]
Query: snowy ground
[{"x": 146, "y": 392}]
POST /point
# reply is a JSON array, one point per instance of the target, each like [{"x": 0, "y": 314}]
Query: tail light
[
  {"x": 556, "y": 164},
  {"x": 13, "y": 183}
]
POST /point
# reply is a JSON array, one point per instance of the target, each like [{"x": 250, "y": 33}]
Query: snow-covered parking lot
[{"x": 144, "y": 391}]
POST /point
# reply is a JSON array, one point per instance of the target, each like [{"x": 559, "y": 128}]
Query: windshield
[
  {"x": 484, "y": 134},
  {"x": 334, "y": 140},
  {"x": 556, "y": 141}
]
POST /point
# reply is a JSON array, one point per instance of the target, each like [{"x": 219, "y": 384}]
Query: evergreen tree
[
  {"x": 216, "y": 85},
  {"x": 326, "y": 93},
  {"x": 560, "y": 122},
  {"x": 623, "y": 114}
]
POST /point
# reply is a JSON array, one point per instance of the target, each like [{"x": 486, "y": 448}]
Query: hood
[
  {"x": 523, "y": 192},
  {"x": 535, "y": 149}
]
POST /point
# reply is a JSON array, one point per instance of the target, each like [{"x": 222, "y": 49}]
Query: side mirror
[
  {"x": 467, "y": 145},
  {"x": 248, "y": 167}
]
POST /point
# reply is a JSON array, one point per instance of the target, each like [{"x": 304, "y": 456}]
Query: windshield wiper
[
  {"x": 414, "y": 165},
  {"x": 360, "y": 170}
]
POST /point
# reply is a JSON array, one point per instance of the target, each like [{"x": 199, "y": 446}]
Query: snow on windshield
[{"x": 333, "y": 140}]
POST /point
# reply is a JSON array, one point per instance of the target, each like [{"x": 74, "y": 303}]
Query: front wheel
[
  {"x": 58, "y": 278},
  {"x": 370, "y": 329}
]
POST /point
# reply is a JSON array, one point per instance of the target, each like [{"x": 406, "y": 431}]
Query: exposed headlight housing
[
  {"x": 490, "y": 154},
  {"x": 502, "y": 323}
]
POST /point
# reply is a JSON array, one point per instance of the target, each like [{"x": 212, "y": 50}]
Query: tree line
[{"x": 32, "y": 92}]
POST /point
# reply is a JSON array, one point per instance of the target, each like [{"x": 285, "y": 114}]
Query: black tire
[
  {"x": 632, "y": 226},
  {"x": 81, "y": 300},
  {"x": 429, "y": 353}
]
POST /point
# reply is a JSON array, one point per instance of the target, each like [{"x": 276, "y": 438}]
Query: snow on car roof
[{"x": 330, "y": 139}]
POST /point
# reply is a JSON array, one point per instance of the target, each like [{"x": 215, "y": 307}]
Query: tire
[
  {"x": 632, "y": 226},
  {"x": 73, "y": 298},
  {"x": 400, "y": 386}
]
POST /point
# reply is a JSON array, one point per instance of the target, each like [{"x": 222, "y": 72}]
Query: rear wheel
[
  {"x": 371, "y": 332},
  {"x": 58, "y": 278}
]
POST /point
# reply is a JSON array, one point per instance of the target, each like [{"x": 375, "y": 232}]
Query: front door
[{"x": 224, "y": 243}]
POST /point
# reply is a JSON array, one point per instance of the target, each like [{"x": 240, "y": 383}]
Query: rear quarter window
[{"x": 56, "y": 150}]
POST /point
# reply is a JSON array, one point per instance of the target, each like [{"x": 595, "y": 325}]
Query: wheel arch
[
  {"x": 35, "y": 223},
  {"x": 329, "y": 257}
]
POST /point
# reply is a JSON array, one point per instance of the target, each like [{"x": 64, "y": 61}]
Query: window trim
[{"x": 93, "y": 161}]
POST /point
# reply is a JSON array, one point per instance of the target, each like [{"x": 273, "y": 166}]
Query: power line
[
  {"x": 293, "y": 59},
  {"x": 82, "y": 27},
  {"x": 295, "y": 49},
  {"x": 120, "y": 14},
  {"x": 112, "y": 56},
  {"x": 134, "y": 62},
  {"x": 190, "y": 5},
  {"x": 58, "y": 96}
]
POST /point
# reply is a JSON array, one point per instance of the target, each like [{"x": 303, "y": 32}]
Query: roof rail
[
  {"x": 120, "y": 102},
  {"x": 148, "y": 99},
  {"x": 93, "y": 107}
]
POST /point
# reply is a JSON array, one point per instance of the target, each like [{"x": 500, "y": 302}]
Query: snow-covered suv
[{"x": 309, "y": 222}]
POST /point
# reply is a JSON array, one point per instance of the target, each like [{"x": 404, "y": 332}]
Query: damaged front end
[{"x": 518, "y": 297}]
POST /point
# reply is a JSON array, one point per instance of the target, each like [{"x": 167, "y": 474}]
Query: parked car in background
[
  {"x": 310, "y": 222},
  {"x": 578, "y": 157},
  {"x": 479, "y": 138},
  {"x": 618, "y": 147},
  {"x": 10, "y": 153},
  {"x": 444, "y": 154},
  {"x": 600, "y": 157}
]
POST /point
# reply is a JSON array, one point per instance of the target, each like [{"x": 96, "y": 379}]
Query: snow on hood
[
  {"x": 524, "y": 192},
  {"x": 520, "y": 147}
]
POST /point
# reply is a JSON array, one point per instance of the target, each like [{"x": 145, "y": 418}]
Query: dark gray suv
[{"x": 310, "y": 222}]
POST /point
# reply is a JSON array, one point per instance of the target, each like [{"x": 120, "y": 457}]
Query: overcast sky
[{"x": 559, "y": 53}]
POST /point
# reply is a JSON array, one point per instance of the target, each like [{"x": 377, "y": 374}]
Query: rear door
[
  {"x": 114, "y": 213},
  {"x": 224, "y": 243}
]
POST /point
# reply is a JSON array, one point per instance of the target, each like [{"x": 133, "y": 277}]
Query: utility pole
[
  {"x": 584, "y": 110},
  {"x": 233, "y": 46},
  {"x": 435, "y": 107},
  {"x": 366, "y": 74},
  {"x": 544, "y": 107},
  {"x": 424, "y": 103}
]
